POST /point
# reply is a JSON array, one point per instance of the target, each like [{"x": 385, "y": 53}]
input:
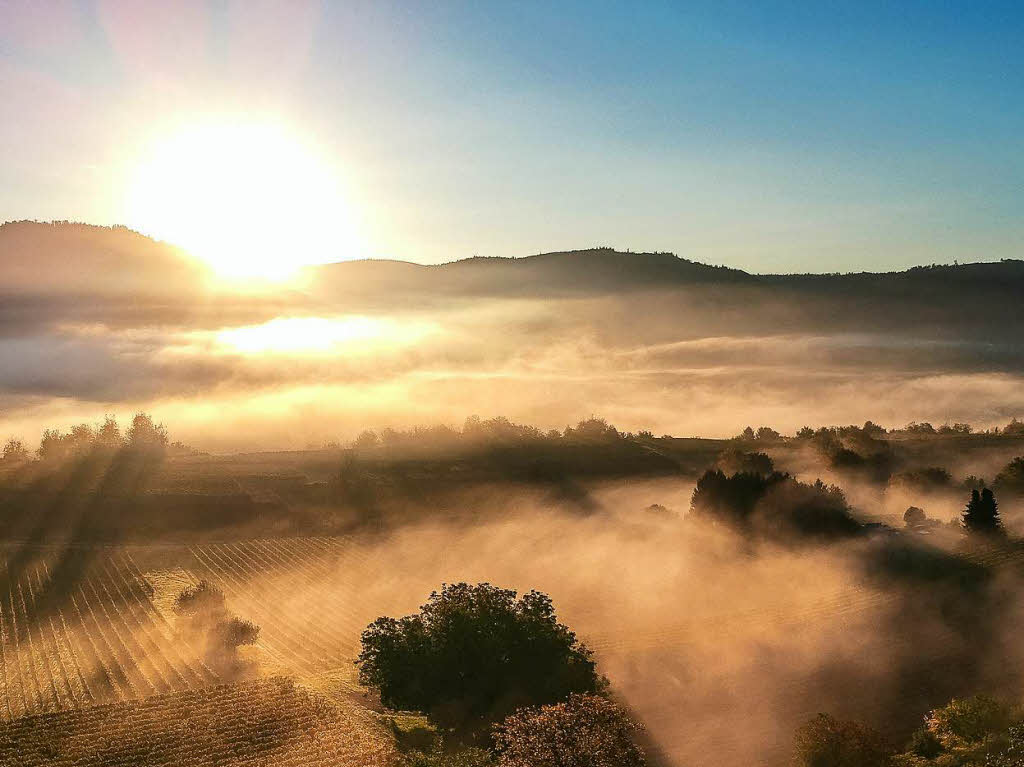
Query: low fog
[
  {"x": 720, "y": 645},
  {"x": 649, "y": 341}
]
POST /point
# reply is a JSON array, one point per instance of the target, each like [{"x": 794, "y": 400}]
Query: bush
[
  {"x": 204, "y": 597},
  {"x": 828, "y": 742},
  {"x": 584, "y": 731},
  {"x": 1013, "y": 754},
  {"x": 473, "y": 654},
  {"x": 966, "y": 721}
]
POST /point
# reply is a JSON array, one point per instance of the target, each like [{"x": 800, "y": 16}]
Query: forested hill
[{"x": 109, "y": 265}]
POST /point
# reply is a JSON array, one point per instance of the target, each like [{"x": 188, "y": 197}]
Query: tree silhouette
[
  {"x": 982, "y": 514},
  {"x": 914, "y": 516}
]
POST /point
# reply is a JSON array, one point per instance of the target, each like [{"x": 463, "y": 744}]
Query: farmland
[{"x": 268, "y": 721}]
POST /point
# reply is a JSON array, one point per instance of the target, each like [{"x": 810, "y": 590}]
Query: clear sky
[{"x": 769, "y": 136}]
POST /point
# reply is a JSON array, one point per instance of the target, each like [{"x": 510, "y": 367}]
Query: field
[
  {"x": 92, "y": 653},
  {"x": 268, "y": 721}
]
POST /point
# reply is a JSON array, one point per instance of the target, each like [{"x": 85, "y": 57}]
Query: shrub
[
  {"x": 828, "y": 742},
  {"x": 584, "y": 731},
  {"x": 965, "y": 721},
  {"x": 201, "y": 598}
]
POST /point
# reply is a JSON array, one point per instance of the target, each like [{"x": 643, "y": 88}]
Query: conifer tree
[{"x": 982, "y": 513}]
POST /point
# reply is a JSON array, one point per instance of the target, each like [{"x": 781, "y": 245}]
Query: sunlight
[
  {"x": 316, "y": 334},
  {"x": 251, "y": 200}
]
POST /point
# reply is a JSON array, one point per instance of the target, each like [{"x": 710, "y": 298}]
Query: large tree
[{"x": 473, "y": 654}]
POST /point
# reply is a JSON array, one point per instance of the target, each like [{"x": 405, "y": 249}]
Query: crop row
[
  {"x": 262, "y": 722},
  {"x": 290, "y": 587},
  {"x": 96, "y": 639}
]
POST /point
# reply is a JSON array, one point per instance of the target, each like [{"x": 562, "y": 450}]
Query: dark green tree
[
  {"x": 473, "y": 654},
  {"x": 982, "y": 514}
]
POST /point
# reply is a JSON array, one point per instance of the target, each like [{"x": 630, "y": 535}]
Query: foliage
[
  {"x": 914, "y": 516},
  {"x": 930, "y": 478},
  {"x": 14, "y": 452},
  {"x": 1011, "y": 478},
  {"x": 1013, "y": 754},
  {"x": 773, "y": 505},
  {"x": 468, "y": 757},
  {"x": 737, "y": 462},
  {"x": 966, "y": 721},
  {"x": 235, "y": 632},
  {"x": 143, "y": 434},
  {"x": 473, "y": 654},
  {"x": 584, "y": 731},
  {"x": 203, "y": 597},
  {"x": 982, "y": 514},
  {"x": 828, "y": 742}
]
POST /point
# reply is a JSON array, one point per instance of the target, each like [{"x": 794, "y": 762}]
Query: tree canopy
[
  {"x": 825, "y": 741},
  {"x": 982, "y": 514},
  {"x": 473, "y": 654}
]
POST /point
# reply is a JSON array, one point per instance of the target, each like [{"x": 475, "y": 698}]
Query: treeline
[
  {"x": 743, "y": 491},
  {"x": 500, "y": 430},
  {"x": 1014, "y": 428},
  {"x": 143, "y": 434}
]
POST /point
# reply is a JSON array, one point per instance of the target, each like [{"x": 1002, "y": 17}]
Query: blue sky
[{"x": 767, "y": 136}]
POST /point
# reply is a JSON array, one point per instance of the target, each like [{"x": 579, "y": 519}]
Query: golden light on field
[
  {"x": 251, "y": 200},
  {"x": 311, "y": 335}
]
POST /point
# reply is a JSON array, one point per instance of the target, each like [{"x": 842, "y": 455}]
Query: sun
[{"x": 251, "y": 200}]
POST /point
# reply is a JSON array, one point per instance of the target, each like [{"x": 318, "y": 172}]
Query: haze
[{"x": 392, "y": 384}]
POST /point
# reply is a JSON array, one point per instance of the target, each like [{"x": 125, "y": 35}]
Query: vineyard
[
  {"x": 109, "y": 634},
  {"x": 95, "y": 641},
  {"x": 264, "y": 722},
  {"x": 95, "y": 670}
]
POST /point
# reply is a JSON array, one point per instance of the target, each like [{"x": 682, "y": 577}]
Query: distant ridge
[{"x": 77, "y": 259}]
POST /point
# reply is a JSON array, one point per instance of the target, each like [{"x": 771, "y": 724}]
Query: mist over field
[{"x": 98, "y": 321}]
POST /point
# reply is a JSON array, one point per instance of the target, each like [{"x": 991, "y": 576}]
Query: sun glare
[
  {"x": 312, "y": 335},
  {"x": 250, "y": 200}
]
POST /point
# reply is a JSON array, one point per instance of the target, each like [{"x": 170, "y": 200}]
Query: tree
[
  {"x": 773, "y": 505},
  {"x": 1011, "y": 478},
  {"x": 473, "y": 654},
  {"x": 982, "y": 514},
  {"x": 109, "y": 433},
  {"x": 828, "y": 742},
  {"x": 14, "y": 452},
  {"x": 914, "y": 516},
  {"x": 367, "y": 439},
  {"x": 737, "y": 461},
  {"x": 806, "y": 432},
  {"x": 584, "y": 731},
  {"x": 143, "y": 434}
]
